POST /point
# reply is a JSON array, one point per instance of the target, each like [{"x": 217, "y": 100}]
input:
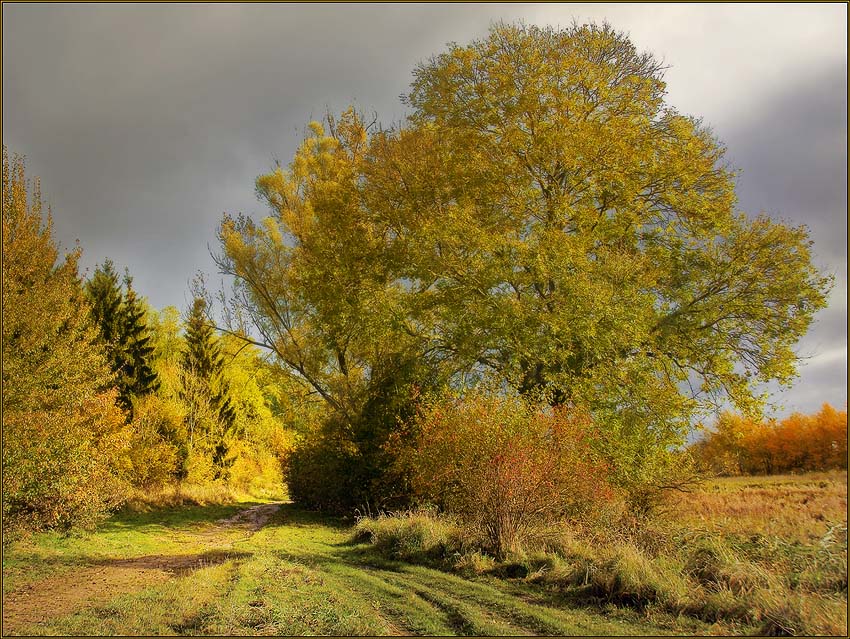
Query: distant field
[
  {"x": 254, "y": 568},
  {"x": 795, "y": 508}
]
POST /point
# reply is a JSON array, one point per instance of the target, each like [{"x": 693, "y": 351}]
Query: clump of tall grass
[
  {"x": 700, "y": 575},
  {"x": 413, "y": 535}
]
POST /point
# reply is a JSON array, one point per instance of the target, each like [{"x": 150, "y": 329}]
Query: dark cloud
[
  {"x": 146, "y": 122},
  {"x": 792, "y": 153}
]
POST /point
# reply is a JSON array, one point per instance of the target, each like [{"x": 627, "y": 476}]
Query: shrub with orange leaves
[{"x": 504, "y": 467}]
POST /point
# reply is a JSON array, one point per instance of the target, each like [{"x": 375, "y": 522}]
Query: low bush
[
  {"x": 315, "y": 469},
  {"x": 506, "y": 468},
  {"x": 64, "y": 469}
]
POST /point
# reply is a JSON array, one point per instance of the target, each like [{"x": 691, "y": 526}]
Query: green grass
[
  {"x": 309, "y": 574},
  {"x": 170, "y": 531},
  {"x": 298, "y": 575}
]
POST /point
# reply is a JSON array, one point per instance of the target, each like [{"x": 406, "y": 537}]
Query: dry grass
[
  {"x": 185, "y": 494},
  {"x": 794, "y": 508},
  {"x": 763, "y": 555}
]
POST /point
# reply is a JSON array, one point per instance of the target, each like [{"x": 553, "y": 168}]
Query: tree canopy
[{"x": 542, "y": 216}]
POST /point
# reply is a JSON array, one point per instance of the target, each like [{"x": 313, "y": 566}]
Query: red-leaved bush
[{"x": 504, "y": 467}]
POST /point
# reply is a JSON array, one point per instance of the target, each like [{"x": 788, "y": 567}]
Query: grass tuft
[{"x": 415, "y": 535}]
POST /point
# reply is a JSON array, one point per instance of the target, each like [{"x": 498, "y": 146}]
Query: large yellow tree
[
  {"x": 63, "y": 437},
  {"x": 542, "y": 216}
]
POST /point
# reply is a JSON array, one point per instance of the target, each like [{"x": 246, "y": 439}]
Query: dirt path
[
  {"x": 101, "y": 580},
  {"x": 254, "y": 517}
]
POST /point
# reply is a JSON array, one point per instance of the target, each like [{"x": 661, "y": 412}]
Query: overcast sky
[{"x": 147, "y": 122}]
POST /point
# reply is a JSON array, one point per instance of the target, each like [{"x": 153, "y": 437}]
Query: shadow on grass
[
  {"x": 176, "y": 564},
  {"x": 291, "y": 515}
]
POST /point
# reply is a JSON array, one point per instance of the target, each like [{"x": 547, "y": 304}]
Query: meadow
[{"x": 743, "y": 555}]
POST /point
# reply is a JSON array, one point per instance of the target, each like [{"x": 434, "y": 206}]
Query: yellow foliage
[{"x": 64, "y": 440}]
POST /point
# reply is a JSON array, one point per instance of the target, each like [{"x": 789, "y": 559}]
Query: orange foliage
[
  {"x": 506, "y": 468},
  {"x": 797, "y": 443}
]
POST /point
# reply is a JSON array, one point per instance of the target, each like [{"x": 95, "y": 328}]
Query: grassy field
[{"x": 261, "y": 568}]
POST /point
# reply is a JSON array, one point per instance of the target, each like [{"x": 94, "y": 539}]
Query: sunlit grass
[
  {"x": 801, "y": 508},
  {"x": 695, "y": 571}
]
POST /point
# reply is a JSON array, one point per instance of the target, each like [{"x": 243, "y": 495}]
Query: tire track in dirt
[{"x": 100, "y": 580}]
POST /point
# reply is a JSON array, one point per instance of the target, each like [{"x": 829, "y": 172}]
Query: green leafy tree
[
  {"x": 64, "y": 438},
  {"x": 165, "y": 326},
  {"x": 316, "y": 287},
  {"x": 542, "y": 217}
]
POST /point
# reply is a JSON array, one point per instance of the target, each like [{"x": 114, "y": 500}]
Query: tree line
[
  {"x": 543, "y": 238},
  {"x": 738, "y": 445},
  {"x": 103, "y": 394}
]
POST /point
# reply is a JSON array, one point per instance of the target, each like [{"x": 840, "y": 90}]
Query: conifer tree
[
  {"x": 103, "y": 292},
  {"x": 138, "y": 376},
  {"x": 122, "y": 325},
  {"x": 203, "y": 359}
]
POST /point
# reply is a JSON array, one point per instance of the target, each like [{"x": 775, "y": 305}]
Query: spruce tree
[
  {"x": 121, "y": 322},
  {"x": 138, "y": 376},
  {"x": 104, "y": 296},
  {"x": 204, "y": 360}
]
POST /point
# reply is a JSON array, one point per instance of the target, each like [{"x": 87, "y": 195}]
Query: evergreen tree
[
  {"x": 123, "y": 331},
  {"x": 104, "y": 296},
  {"x": 203, "y": 359},
  {"x": 138, "y": 376}
]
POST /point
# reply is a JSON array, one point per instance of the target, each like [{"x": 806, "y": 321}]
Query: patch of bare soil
[
  {"x": 101, "y": 580},
  {"x": 253, "y": 518}
]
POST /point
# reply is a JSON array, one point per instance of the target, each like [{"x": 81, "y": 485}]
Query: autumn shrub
[
  {"x": 507, "y": 469},
  {"x": 154, "y": 457},
  {"x": 63, "y": 469}
]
